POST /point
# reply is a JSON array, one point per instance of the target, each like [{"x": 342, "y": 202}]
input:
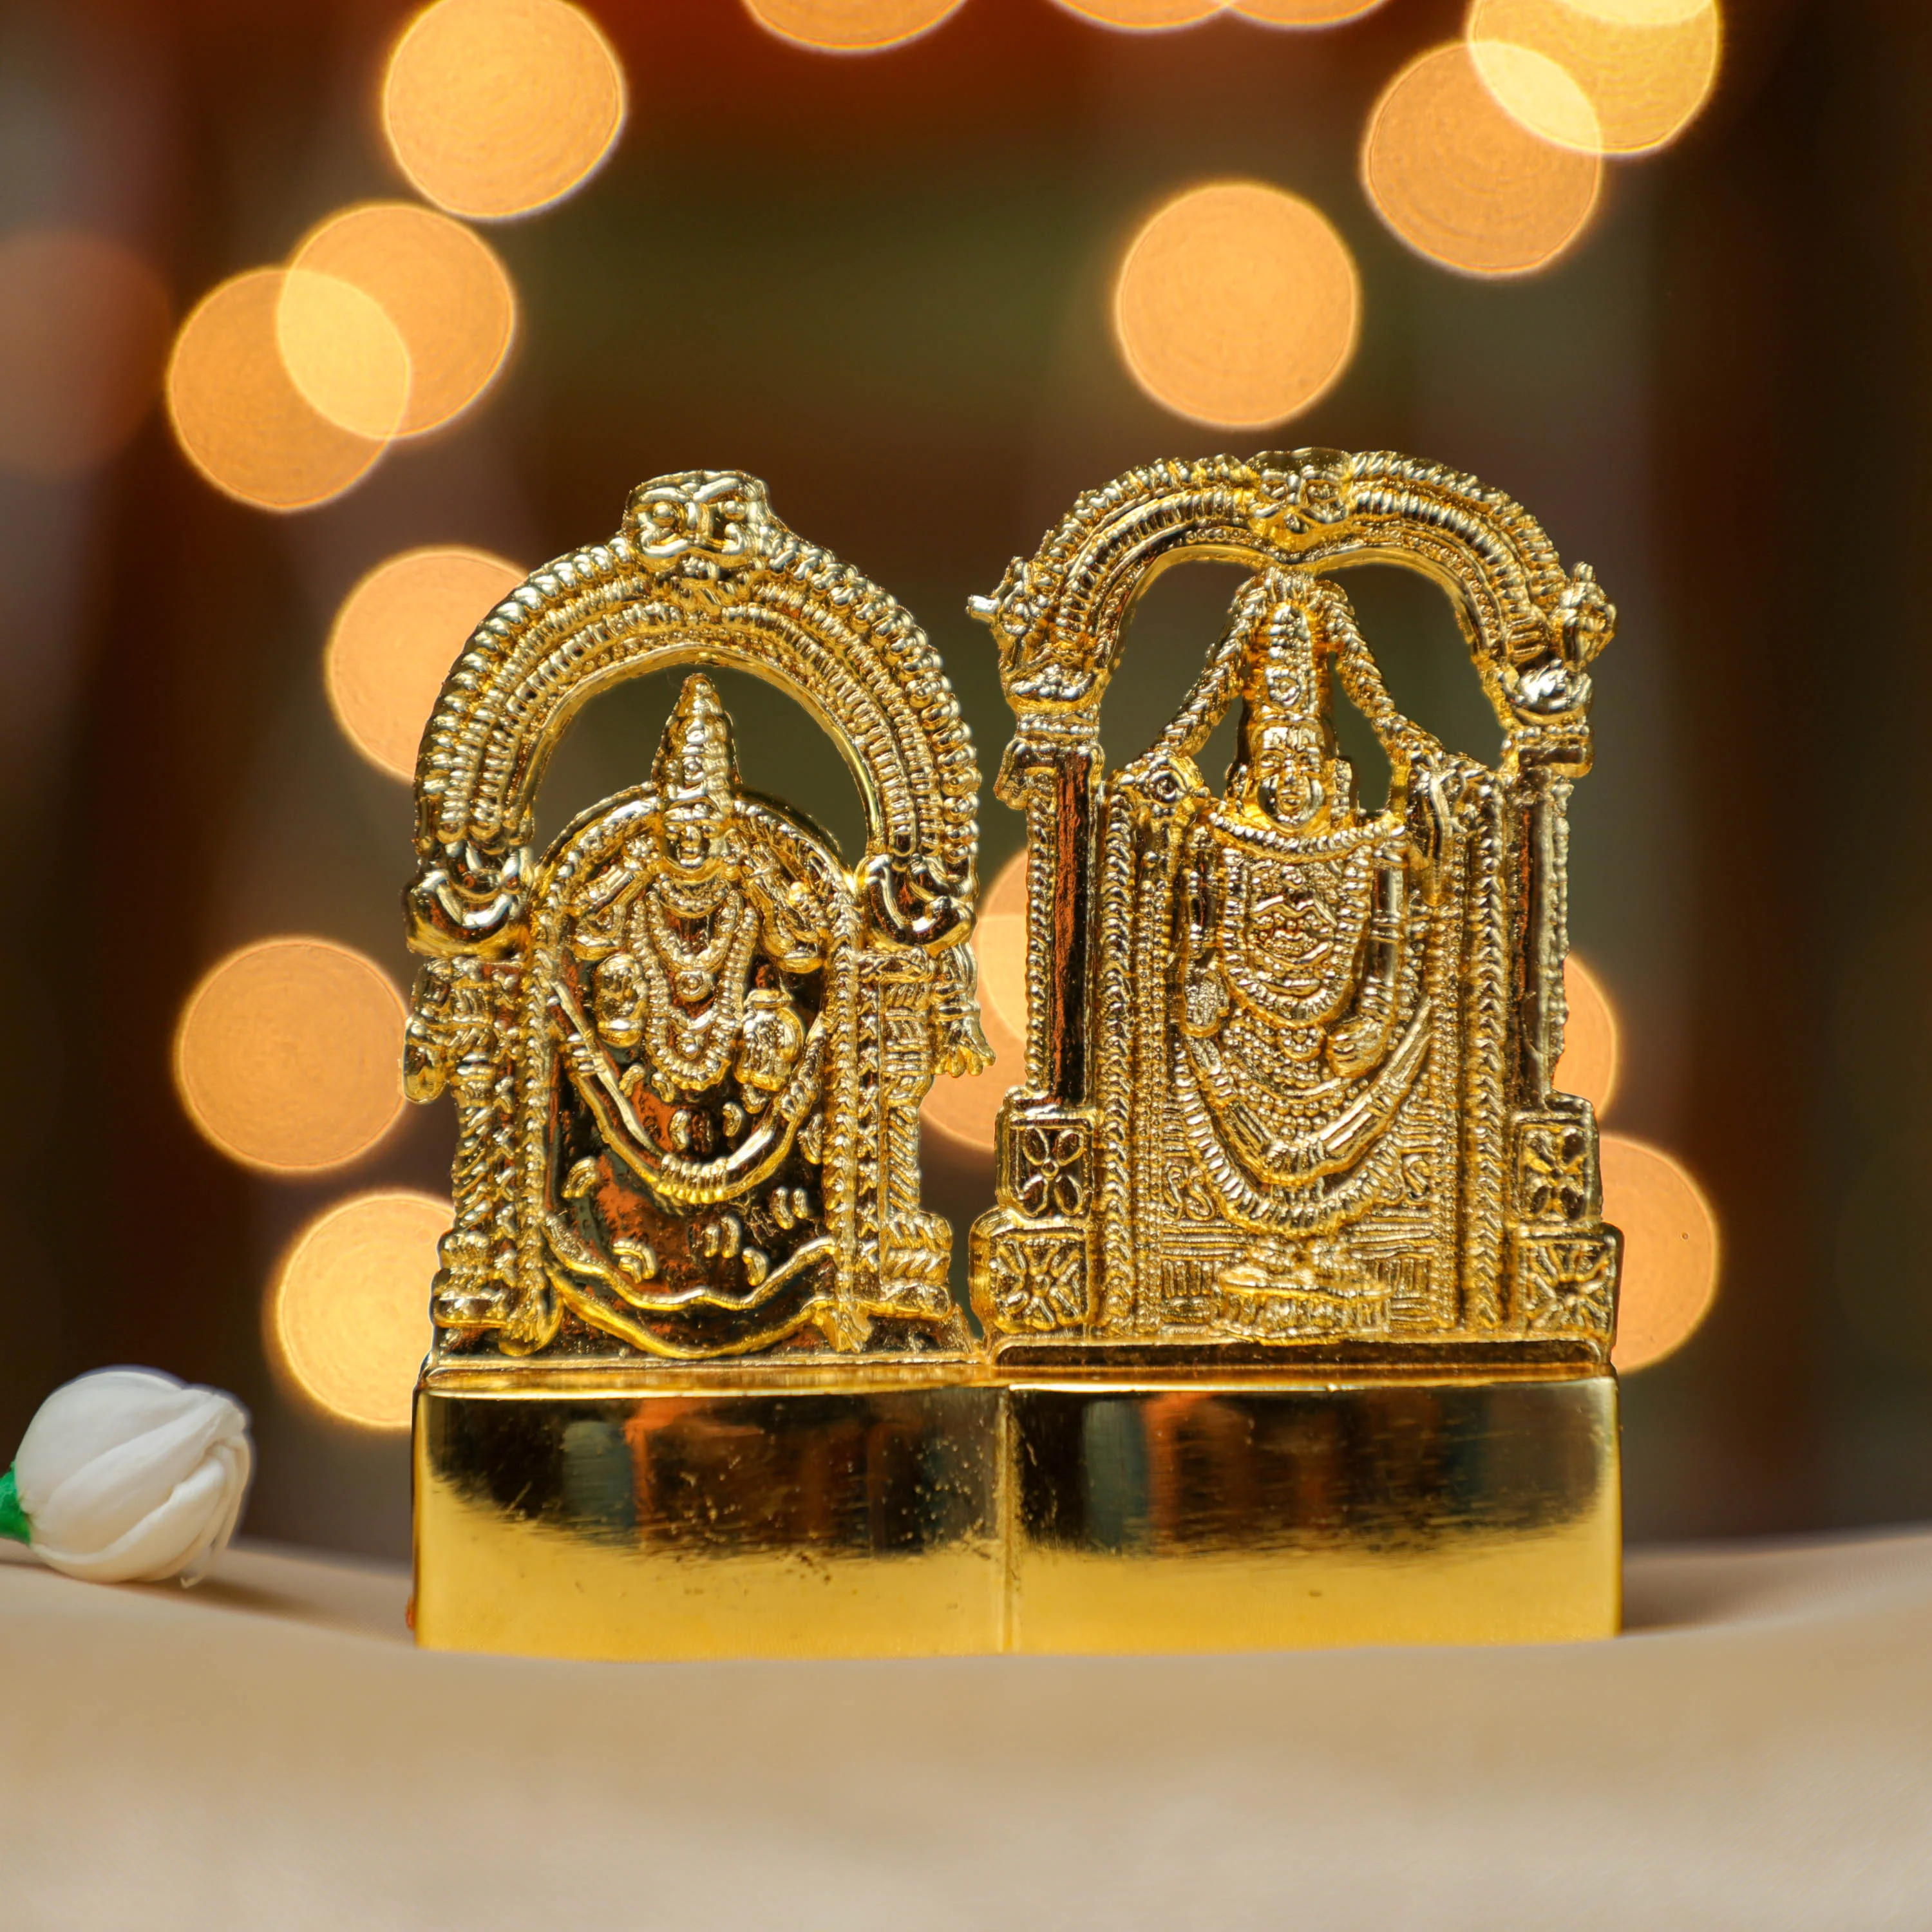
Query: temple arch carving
[
  {"x": 687, "y": 1043},
  {"x": 1289, "y": 1059}
]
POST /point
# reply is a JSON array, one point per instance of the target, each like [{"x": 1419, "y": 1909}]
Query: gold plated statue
[
  {"x": 690, "y": 1273},
  {"x": 687, "y": 1046},
  {"x": 1288, "y": 1074},
  {"x": 1297, "y": 1281},
  {"x": 1295, "y": 1304}
]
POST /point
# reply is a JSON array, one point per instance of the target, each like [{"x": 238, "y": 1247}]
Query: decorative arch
[
  {"x": 701, "y": 572},
  {"x": 1152, "y": 1193},
  {"x": 1059, "y": 617},
  {"x": 852, "y": 981}
]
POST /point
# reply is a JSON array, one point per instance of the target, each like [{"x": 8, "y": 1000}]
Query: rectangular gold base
[
  {"x": 661, "y": 1516},
  {"x": 921, "y": 1513},
  {"x": 1257, "y": 1515}
]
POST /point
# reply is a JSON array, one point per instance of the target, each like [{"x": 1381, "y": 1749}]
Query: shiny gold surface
[
  {"x": 883, "y": 1512},
  {"x": 687, "y": 1046},
  {"x": 1222, "y": 1514},
  {"x": 1289, "y": 1069},
  {"x": 1297, "y": 1298},
  {"x": 688, "y": 1043},
  {"x": 661, "y": 1515}
]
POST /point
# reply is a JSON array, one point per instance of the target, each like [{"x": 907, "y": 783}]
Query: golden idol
[
  {"x": 1294, "y": 1310},
  {"x": 1298, "y": 1259},
  {"x": 699, "y": 1383}
]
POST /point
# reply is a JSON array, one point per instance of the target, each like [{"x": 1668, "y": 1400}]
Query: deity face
[
  {"x": 1286, "y": 765},
  {"x": 693, "y": 833},
  {"x": 696, "y": 773},
  {"x": 1291, "y": 774}
]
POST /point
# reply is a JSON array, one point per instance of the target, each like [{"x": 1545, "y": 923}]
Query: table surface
[{"x": 269, "y": 1750}]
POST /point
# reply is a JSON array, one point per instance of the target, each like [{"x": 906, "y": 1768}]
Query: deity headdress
[
  {"x": 697, "y": 753},
  {"x": 1287, "y": 764}
]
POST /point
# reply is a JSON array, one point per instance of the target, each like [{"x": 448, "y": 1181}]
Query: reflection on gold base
[
  {"x": 905, "y": 1512},
  {"x": 715, "y": 1514},
  {"x": 1256, "y": 1514}
]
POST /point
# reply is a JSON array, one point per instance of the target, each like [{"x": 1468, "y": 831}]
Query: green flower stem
[{"x": 14, "y": 1523}]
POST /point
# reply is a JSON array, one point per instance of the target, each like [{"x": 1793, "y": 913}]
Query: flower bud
[{"x": 127, "y": 1475}]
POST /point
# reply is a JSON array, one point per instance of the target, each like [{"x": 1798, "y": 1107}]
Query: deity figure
[
  {"x": 1301, "y": 1095},
  {"x": 691, "y": 1008},
  {"x": 687, "y": 1044},
  {"x": 1303, "y": 1014}
]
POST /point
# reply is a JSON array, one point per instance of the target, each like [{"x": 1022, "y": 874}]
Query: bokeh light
[
  {"x": 1592, "y": 1050},
  {"x": 348, "y": 1311},
  {"x": 288, "y": 1054},
  {"x": 1304, "y": 13},
  {"x": 1463, "y": 182},
  {"x": 1145, "y": 16},
  {"x": 1539, "y": 92},
  {"x": 493, "y": 108},
  {"x": 394, "y": 639},
  {"x": 1237, "y": 305},
  {"x": 850, "y": 26},
  {"x": 343, "y": 353},
  {"x": 440, "y": 285},
  {"x": 1646, "y": 67},
  {"x": 1643, "y": 13},
  {"x": 238, "y": 414},
  {"x": 1670, "y": 1249},
  {"x": 964, "y": 1111},
  {"x": 83, "y": 335}
]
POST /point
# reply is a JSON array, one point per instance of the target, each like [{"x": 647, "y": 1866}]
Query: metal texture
[
  {"x": 1297, "y": 1299},
  {"x": 1288, "y": 1084},
  {"x": 900, "y": 1510},
  {"x": 688, "y": 1045},
  {"x": 709, "y": 1513},
  {"x": 1211, "y": 1513}
]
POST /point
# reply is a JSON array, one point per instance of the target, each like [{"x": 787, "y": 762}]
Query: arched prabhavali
[
  {"x": 702, "y": 572},
  {"x": 1060, "y": 616}
]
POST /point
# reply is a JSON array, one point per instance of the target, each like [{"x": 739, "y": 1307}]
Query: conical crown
[
  {"x": 1287, "y": 764},
  {"x": 696, "y": 753}
]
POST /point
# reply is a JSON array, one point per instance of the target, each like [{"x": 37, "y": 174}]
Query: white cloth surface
[{"x": 269, "y": 1751}]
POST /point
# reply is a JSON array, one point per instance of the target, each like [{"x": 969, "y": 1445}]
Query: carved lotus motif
[{"x": 1052, "y": 1161}]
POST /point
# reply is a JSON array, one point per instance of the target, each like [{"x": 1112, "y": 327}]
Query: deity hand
[
  {"x": 425, "y": 1068},
  {"x": 793, "y": 927},
  {"x": 769, "y": 1042},
  {"x": 960, "y": 1048},
  {"x": 617, "y": 1000},
  {"x": 586, "y": 1060},
  {"x": 425, "y": 1039}
]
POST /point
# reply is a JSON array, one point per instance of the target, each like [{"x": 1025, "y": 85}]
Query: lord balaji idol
[
  {"x": 1297, "y": 1282},
  {"x": 698, "y": 1384}
]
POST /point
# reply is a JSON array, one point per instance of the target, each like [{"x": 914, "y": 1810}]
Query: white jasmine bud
[{"x": 127, "y": 1475}]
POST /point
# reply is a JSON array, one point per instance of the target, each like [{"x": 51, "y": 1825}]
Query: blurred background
[{"x": 321, "y": 325}]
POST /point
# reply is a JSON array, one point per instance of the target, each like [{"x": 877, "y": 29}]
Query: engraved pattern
[
  {"x": 1037, "y": 1282},
  {"x": 1053, "y": 1169},
  {"x": 687, "y": 1046},
  {"x": 1566, "y": 1287},
  {"x": 1316, "y": 1039}
]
